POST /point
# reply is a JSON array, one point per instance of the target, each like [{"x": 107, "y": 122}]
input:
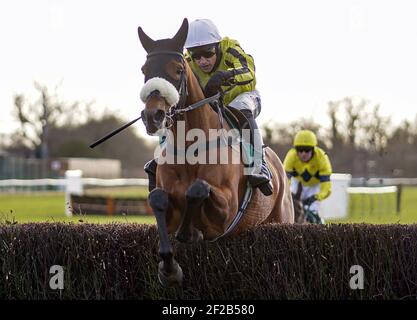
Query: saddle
[
  {"x": 237, "y": 120},
  {"x": 234, "y": 117}
]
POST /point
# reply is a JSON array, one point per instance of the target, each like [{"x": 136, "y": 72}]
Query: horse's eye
[{"x": 179, "y": 71}]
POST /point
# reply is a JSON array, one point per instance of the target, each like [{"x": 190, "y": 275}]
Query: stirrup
[
  {"x": 262, "y": 183},
  {"x": 266, "y": 188}
]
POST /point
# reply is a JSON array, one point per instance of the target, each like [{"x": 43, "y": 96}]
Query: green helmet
[{"x": 305, "y": 138}]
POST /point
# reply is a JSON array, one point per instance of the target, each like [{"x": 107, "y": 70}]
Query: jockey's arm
[
  {"x": 324, "y": 177},
  {"x": 325, "y": 190},
  {"x": 241, "y": 67}
]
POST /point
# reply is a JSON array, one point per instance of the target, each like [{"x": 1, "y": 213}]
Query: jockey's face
[
  {"x": 206, "y": 64},
  {"x": 304, "y": 153},
  {"x": 204, "y": 57}
]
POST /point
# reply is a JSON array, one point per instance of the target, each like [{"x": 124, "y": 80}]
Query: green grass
[
  {"x": 381, "y": 209},
  {"x": 37, "y": 207},
  {"x": 120, "y": 192},
  {"x": 40, "y": 207}
]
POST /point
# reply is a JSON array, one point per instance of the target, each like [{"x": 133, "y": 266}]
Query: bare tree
[
  {"x": 354, "y": 113},
  {"x": 280, "y": 136},
  {"x": 37, "y": 118},
  {"x": 336, "y": 136},
  {"x": 376, "y": 131}
]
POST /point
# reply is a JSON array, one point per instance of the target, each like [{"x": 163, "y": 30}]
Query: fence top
[
  {"x": 354, "y": 182},
  {"x": 372, "y": 190},
  {"x": 63, "y": 182},
  {"x": 341, "y": 176},
  {"x": 383, "y": 181},
  {"x": 73, "y": 173}
]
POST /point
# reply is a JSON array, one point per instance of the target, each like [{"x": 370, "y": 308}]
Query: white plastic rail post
[{"x": 74, "y": 185}]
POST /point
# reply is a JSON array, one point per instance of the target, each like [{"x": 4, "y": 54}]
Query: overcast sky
[{"x": 306, "y": 52}]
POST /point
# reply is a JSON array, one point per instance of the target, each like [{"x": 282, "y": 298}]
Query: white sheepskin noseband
[{"x": 165, "y": 88}]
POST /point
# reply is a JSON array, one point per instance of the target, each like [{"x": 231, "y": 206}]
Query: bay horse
[
  {"x": 299, "y": 213},
  {"x": 197, "y": 200}
]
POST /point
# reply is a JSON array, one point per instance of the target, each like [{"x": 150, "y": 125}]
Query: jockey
[
  {"x": 309, "y": 165},
  {"x": 218, "y": 63},
  {"x": 221, "y": 64}
]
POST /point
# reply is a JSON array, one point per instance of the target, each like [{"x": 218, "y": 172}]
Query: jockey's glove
[
  {"x": 218, "y": 79},
  {"x": 309, "y": 200}
]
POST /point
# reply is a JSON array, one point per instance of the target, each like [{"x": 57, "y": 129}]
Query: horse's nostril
[{"x": 159, "y": 116}]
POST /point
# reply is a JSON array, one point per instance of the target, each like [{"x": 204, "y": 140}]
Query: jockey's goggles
[
  {"x": 206, "y": 53},
  {"x": 303, "y": 149}
]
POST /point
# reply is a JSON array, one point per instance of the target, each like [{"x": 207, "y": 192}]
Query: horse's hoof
[{"x": 172, "y": 279}]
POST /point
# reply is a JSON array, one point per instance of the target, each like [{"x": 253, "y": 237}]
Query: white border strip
[{"x": 372, "y": 190}]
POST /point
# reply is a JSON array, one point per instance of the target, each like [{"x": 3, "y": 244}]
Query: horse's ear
[
  {"x": 147, "y": 43},
  {"x": 181, "y": 35}
]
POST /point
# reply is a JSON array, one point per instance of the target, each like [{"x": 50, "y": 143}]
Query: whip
[{"x": 111, "y": 134}]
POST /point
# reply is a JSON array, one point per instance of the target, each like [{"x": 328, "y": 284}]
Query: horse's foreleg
[
  {"x": 195, "y": 196},
  {"x": 169, "y": 271}
]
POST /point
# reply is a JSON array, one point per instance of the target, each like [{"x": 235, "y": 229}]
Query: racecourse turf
[{"x": 49, "y": 206}]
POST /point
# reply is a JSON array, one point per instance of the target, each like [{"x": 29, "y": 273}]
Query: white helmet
[{"x": 202, "y": 32}]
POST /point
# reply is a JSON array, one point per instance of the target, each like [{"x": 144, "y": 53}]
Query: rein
[
  {"x": 196, "y": 105},
  {"x": 174, "y": 110}
]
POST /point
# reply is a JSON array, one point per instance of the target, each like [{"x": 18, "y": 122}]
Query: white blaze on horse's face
[{"x": 156, "y": 105}]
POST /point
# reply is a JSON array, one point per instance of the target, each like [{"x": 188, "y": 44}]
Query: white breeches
[{"x": 308, "y": 191}]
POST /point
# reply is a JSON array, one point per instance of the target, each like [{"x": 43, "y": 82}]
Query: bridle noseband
[
  {"x": 182, "y": 88},
  {"x": 180, "y": 107}
]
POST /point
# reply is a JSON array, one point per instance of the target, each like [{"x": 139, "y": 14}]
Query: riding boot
[
  {"x": 259, "y": 176},
  {"x": 150, "y": 169}
]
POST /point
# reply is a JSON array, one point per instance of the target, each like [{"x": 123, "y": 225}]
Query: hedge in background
[{"x": 119, "y": 261}]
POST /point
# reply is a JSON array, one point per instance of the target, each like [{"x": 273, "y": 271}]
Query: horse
[
  {"x": 302, "y": 212},
  {"x": 299, "y": 214},
  {"x": 197, "y": 201}
]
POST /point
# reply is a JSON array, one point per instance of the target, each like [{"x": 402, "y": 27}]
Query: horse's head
[{"x": 165, "y": 78}]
